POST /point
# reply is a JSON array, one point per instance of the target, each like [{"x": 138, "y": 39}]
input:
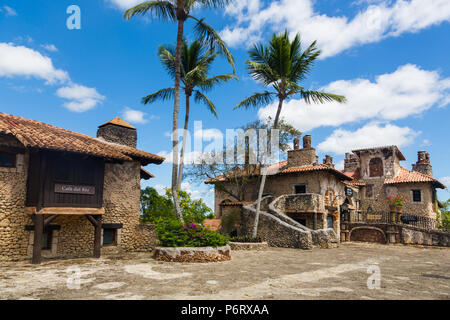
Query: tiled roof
[
  {"x": 355, "y": 178},
  {"x": 319, "y": 167},
  {"x": 38, "y": 135},
  {"x": 118, "y": 122},
  {"x": 406, "y": 176},
  {"x": 277, "y": 168}
]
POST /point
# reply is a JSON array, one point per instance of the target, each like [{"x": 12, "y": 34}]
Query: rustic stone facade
[
  {"x": 317, "y": 197},
  {"x": 75, "y": 236},
  {"x": 71, "y": 234},
  {"x": 118, "y": 134}
]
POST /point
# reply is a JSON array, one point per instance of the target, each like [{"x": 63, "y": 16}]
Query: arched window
[{"x": 376, "y": 167}]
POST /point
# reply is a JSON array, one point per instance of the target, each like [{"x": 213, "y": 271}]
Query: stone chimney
[
  {"x": 328, "y": 161},
  {"x": 118, "y": 131},
  {"x": 423, "y": 164},
  {"x": 351, "y": 162},
  {"x": 302, "y": 157}
]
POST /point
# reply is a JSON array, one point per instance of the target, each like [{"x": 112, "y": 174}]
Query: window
[
  {"x": 7, "y": 160},
  {"x": 300, "y": 188},
  {"x": 369, "y": 191},
  {"x": 109, "y": 237},
  {"x": 330, "y": 222},
  {"x": 376, "y": 167},
  {"x": 47, "y": 238},
  {"x": 417, "y": 195}
]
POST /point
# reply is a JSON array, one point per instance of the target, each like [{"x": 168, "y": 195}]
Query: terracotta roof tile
[
  {"x": 118, "y": 122},
  {"x": 35, "y": 134},
  {"x": 319, "y": 167},
  {"x": 406, "y": 176}
]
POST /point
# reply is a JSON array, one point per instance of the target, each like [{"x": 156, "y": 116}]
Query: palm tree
[
  {"x": 282, "y": 65},
  {"x": 196, "y": 60},
  {"x": 179, "y": 11}
]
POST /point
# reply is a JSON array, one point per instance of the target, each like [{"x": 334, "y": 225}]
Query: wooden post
[
  {"x": 98, "y": 237},
  {"x": 315, "y": 221},
  {"x": 37, "y": 245}
]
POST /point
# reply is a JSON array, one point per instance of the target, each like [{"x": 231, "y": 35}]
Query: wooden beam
[
  {"x": 37, "y": 245},
  {"x": 92, "y": 220},
  {"x": 65, "y": 211},
  {"x": 98, "y": 238},
  {"x": 49, "y": 220}
]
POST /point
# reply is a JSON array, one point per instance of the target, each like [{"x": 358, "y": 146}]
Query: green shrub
[
  {"x": 172, "y": 233},
  {"x": 155, "y": 207},
  {"x": 246, "y": 239}
]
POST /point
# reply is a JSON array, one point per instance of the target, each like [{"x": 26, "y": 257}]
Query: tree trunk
[
  {"x": 183, "y": 147},
  {"x": 263, "y": 171},
  {"x": 176, "y": 110}
]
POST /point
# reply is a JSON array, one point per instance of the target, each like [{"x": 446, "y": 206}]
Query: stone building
[
  {"x": 65, "y": 194},
  {"x": 324, "y": 195}
]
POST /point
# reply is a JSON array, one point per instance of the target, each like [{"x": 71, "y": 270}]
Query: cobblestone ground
[{"x": 342, "y": 273}]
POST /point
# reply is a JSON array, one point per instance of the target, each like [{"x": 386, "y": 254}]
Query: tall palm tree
[
  {"x": 178, "y": 11},
  {"x": 196, "y": 60},
  {"x": 282, "y": 65}
]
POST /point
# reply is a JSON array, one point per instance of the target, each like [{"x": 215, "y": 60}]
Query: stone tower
[
  {"x": 302, "y": 157},
  {"x": 118, "y": 131},
  {"x": 423, "y": 164}
]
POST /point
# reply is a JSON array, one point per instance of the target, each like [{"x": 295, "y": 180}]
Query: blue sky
[{"x": 389, "y": 58}]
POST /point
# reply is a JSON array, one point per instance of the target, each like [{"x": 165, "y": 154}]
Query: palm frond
[
  {"x": 211, "y": 3},
  {"x": 163, "y": 94},
  {"x": 321, "y": 97},
  {"x": 208, "y": 84},
  {"x": 167, "y": 57},
  {"x": 212, "y": 38},
  {"x": 159, "y": 9},
  {"x": 199, "y": 97},
  {"x": 262, "y": 72},
  {"x": 256, "y": 100}
]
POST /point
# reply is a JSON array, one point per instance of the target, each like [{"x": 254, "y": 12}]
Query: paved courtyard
[{"x": 342, "y": 273}]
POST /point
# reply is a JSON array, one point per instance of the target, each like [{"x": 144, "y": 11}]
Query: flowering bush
[
  {"x": 172, "y": 233},
  {"x": 398, "y": 200}
]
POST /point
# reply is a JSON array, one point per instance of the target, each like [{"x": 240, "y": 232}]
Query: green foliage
[
  {"x": 172, "y": 233},
  {"x": 156, "y": 208},
  {"x": 247, "y": 239},
  {"x": 445, "y": 216},
  {"x": 282, "y": 64}
]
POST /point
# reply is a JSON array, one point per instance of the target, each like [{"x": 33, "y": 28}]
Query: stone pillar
[
  {"x": 391, "y": 233},
  {"x": 307, "y": 142}
]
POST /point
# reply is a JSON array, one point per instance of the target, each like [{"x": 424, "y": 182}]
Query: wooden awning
[{"x": 66, "y": 211}]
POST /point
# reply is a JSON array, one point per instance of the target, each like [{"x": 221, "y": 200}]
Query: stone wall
[
  {"x": 75, "y": 238},
  {"x": 13, "y": 237},
  {"x": 118, "y": 134}
]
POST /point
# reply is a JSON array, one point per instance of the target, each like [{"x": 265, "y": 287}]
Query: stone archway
[{"x": 368, "y": 234}]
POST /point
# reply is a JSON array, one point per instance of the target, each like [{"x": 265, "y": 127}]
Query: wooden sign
[{"x": 73, "y": 189}]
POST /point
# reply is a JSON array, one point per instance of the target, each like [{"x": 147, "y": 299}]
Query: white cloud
[
  {"x": 407, "y": 91},
  {"x": 135, "y": 116},
  {"x": 371, "y": 135},
  {"x": 124, "y": 4},
  {"x": 446, "y": 181},
  {"x": 50, "y": 47},
  {"x": 208, "y": 134},
  {"x": 334, "y": 34},
  {"x": 8, "y": 11},
  {"x": 16, "y": 61},
  {"x": 81, "y": 98}
]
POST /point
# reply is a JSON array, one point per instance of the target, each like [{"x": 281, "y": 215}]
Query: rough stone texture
[
  {"x": 368, "y": 234},
  {"x": 207, "y": 254},
  {"x": 118, "y": 134},
  {"x": 76, "y": 236},
  {"x": 411, "y": 235},
  {"x": 301, "y": 157},
  {"x": 13, "y": 237},
  {"x": 249, "y": 246}
]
